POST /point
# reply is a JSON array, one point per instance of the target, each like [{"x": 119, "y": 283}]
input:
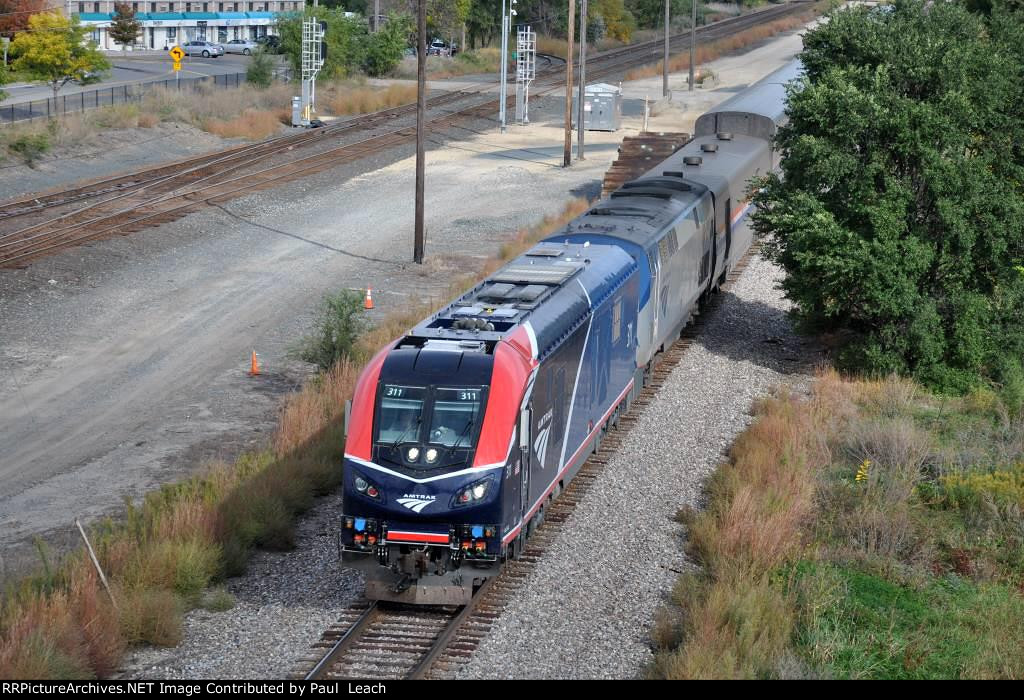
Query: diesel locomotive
[{"x": 460, "y": 432}]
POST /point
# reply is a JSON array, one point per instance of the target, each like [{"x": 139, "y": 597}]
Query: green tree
[
  {"x": 54, "y": 49},
  {"x": 899, "y": 215},
  {"x": 346, "y": 39},
  {"x": 125, "y": 27},
  {"x": 260, "y": 71},
  {"x": 385, "y": 48}
]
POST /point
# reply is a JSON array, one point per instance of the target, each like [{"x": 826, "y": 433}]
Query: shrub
[
  {"x": 260, "y": 71},
  {"x": 30, "y": 147},
  {"x": 384, "y": 48},
  {"x": 338, "y": 323},
  {"x": 151, "y": 616}
]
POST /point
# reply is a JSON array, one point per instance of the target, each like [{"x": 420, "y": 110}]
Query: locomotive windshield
[
  {"x": 456, "y": 413},
  {"x": 401, "y": 408}
]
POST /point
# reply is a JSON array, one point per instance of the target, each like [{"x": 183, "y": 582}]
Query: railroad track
[
  {"x": 126, "y": 204},
  {"x": 388, "y": 642}
]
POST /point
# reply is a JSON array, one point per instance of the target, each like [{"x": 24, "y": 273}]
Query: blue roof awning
[
  {"x": 95, "y": 16},
  {"x": 200, "y": 15}
]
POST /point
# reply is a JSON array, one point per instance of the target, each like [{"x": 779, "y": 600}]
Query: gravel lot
[{"x": 587, "y": 610}]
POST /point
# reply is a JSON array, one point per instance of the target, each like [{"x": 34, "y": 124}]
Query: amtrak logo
[
  {"x": 416, "y": 502},
  {"x": 540, "y": 445}
]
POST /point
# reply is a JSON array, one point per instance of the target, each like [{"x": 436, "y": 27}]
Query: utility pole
[
  {"x": 376, "y": 16},
  {"x": 693, "y": 39},
  {"x": 421, "y": 108},
  {"x": 583, "y": 79},
  {"x": 567, "y": 155},
  {"x": 664, "y": 62}
]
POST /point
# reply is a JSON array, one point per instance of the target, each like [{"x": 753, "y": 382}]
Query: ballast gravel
[{"x": 587, "y": 610}]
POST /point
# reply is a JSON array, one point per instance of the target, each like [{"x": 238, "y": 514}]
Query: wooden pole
[
  {"x": 580, "y": 114},
  {"x": 421, "y": 108},
  {"x": 567, "y": 155},
  {"x": 693, "y": 40},
  {"x": 96, "y": 563}
]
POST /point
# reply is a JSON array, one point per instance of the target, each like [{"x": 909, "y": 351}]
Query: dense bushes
[
  {"x": 899, "y": 216},
  {"x": 350, "y": 45}
]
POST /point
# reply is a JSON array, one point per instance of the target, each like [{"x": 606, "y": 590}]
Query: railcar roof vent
[
  {"x": 659, "y": 182},
  {"x": 673, "y": 173},
  {"x": 724, "y": 136},
  {"x": 709, "y": 147},
  {"x": 693, "y": 160}
]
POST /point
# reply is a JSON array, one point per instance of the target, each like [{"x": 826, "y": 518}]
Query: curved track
[{"x": 33, "y": 227}]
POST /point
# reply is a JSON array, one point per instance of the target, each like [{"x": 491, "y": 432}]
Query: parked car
[
  {"x": 438, "y": 48},
  {"x": 270, "y": 42},
  {"x": 242, "y": 46},
  {"x": 202, "y": 48}
]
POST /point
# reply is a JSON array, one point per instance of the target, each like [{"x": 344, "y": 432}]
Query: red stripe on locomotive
[
  {"x": 360, "y": 427},
  {"x": 508, "y": 381}
]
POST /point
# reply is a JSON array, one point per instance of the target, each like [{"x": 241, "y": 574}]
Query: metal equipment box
[{"x": 602, "y": 107}]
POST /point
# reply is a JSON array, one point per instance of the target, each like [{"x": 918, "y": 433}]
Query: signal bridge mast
[
  {"x": 314, "y": 52},
  {"x": 526, "y": 71}
]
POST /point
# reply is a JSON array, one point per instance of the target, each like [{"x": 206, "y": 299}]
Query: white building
[{"x": 166, "y": 24}]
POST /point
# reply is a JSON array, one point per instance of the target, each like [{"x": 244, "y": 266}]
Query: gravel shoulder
[{"x": 587, "y": 610}]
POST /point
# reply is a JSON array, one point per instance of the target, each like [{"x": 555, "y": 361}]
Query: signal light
[
  {"x": 372, "y": 492},
  {"x": 361, "y": 484},
  {"x": 371, "y": 540},
  {"x": 466, "y": 545},
  {"x": 359, "y": 538},
  {"x": 481, "y": 546},
  {"x": 349, "y": 522}
]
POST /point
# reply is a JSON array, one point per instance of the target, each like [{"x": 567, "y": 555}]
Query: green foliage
[
  {"x": 260, "y": 71},
  {"x": 973, "y": 489},
  {"x": 29, "y": 147},
  {"x": 55, "y": 50},
  {"x": 338, "y": 324},
  {"x": 899, "y": 217},
  {"x": 650, "y": 14},
  {"x": 125, "y": 28},
  {"x": 384, "y": 49},
  {"x": 346, "y": 39},
  {"x": 858, "y": 624}
]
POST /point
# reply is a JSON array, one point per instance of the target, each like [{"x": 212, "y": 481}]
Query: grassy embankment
[
  {"x": 868, "y": 530},
  {"x": 244, "y": 112},
  {"x": 164, "y": 554}
]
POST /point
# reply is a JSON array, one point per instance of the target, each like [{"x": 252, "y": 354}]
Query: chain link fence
[{"x": 115, "y": 95}]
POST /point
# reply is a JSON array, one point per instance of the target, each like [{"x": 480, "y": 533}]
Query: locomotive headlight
[
  {"x": 413, "y": 454},
  {"x": 472, "y": 493},
  {"x": 366, "y": 488},
  {"x": 431, "y": 455}
]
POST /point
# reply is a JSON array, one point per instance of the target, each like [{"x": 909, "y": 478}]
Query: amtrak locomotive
[{"x": 460, "y": 432}]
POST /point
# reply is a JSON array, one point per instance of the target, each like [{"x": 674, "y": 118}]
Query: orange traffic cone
[
  {"x": 254, "y": 366},
  {"x": 368, "y": 302}
]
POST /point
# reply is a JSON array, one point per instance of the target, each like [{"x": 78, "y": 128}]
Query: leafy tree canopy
[
  {"x": 125, "y": 28},
  {"x": 899, "y": 216},
  {"x": 55, "y": 49}
]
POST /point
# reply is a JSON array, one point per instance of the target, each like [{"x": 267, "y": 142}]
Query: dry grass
[
  {"x": 732, "y": 44},
  {"x": 347, "y": 99},
  {"x": 831, "y": 544},
  {"x": 252, "y": 124}
]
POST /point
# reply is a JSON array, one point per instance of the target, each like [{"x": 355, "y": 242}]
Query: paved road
[{"x": 132, "y": 70}]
